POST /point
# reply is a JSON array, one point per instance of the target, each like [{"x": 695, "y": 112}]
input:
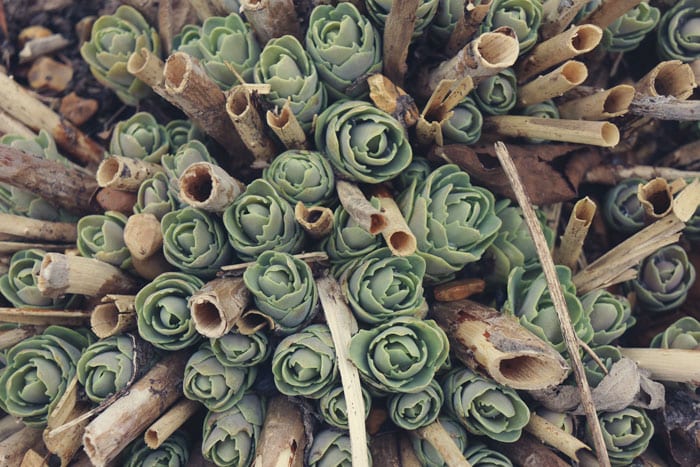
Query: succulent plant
[
  {"x": 101, "y": 236},
  {"x": 626, "y": 434},
  {"x": 383, "y": 286},
  {"x": 292, "y": 75},
  {"x": 304, "y": 364},
  {"x": 187, "y": 40},
  {"x": 608, "y": 355},
  {"x": 260, "y": 220},
  {"x": 236, "y": 349},
  {"x": 174, "y": 452},
  {"x": 682, "y": 334},
  {"x": 622, "y": 209},
  {"x": 283, "y": 288},
  {"x": 362, "y": 142},
  {"x": 628, "y": 31},
  {"x": 176, "y": 163},
  {"x": 345, "y": 48},
  {"x": 414, "y": 410},
  {"x": 691, "y": 231},
  {"x": 562, "y": 420},
  {"x": 401, "y": 355},
  {"x": 112, "y": 41},
  {"x": 140, "y": 137},
  {"x": 464, "y": 125},
  {"x": 426, "y": 452},
  {"x": 333, "y": 408},
  {"x": 331, "y": 447},
  {"x": 522, "y": 16},
  {"x": 454, "y": 222},
  {"x": 219, "y": 387},
  {"x": 19, "y": 284},
  {"x": 663, "y": 279},
  {"x": 610, "y": 315},
  {"x": 417, "y": 170},
  {"x": 300, "y": 175},
  {"x": 677, "y": 34},
  {"x": 479, "y": 455},
  {"x": 378, "y": 11},
  {"x": 163, "y": 318},
  {"x": 484, "y": 407},
  {"x": 155, "y": 197},
  {"x": 229, "y": 438},
  {"x": 195, "y": 241},
  {"x": 497, "y": 94},
  {"x": 180, "y": 132},
  {"x": 38, "y": 371},
  {"x": 446, "y": 17}
]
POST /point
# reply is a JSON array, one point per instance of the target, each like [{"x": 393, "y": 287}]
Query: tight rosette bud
[
  {"x": 260, "y": 220},
  {"x": 38, "y": 371},
  {"x": 683, "y": 334},
  {"x": 484, "y": 407},
  {"x": 401, "y": 355},
  {"x": 218, "y": 387},
  {"x": 229, "y": 438},
  {"x": 426, "y": 452},
  {"x": 186, "y": 155},
  {"x": 236, "y": 349},
  {"x": 383, "y": 286},
  {"x": 628, "y": 31},
  {"x": 446, "y": 17},
  {"x": 140, "y": 137},
  {"x": 362, "y": 142},
  {"x": 414, "y": 410},
  {"x": 522, "y": 16},
  {"x": 292, "y": 76},
  {"x": 174, "y": 452},
  {"x": 187, "y": 40},
  {"x": 345, "y": 48},
  {"x": 622, "y": 209},
  {"x": 304, "y": 364},
  {"x": 300, "y": 175},
  {"x": 378, "y": 11},
  {"x": 155, "y": 197},
  {"x": 163, "y": 317},
  {"x": 331, "y": 447},
  {"x": 101, "y": 236},
  {"x": 180, "y": 132},
  {"x": 497, "y": 94},
  {"x": 112, "y": 41},
  {"x": 464, "y": 126},
  {"x": 283, "y": 288},
  {"x": 454, "y": 222},
  {"x": 417, "y": 171},
  {"x": 626, "y": 434},
  {"x": 334, "y": 410},
  {"x": 678, "y": 32},
  {"x": 479, "y": 455},
  {"x": 610, "y": 315},
  {"x": 19, "y": 284},
  {"x": 664, "y": 279}
]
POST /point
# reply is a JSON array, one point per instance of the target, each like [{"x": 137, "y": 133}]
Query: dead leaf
[{"x": 679, "y": 425}]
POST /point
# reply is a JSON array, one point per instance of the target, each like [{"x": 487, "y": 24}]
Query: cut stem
[
  {"x": 11, "y": 126},
  {"x": 558, "y": 18},
  {"x": 111, "y": 199},
  {"x": 665, "y": 108},
  {"x": 317, "y": 221},
  {"x": 125, "y": 173},
  {"x": 443, "y": 443},
  {"x": 398, "y": 30},
  {"x": 218, "y": 305},
  {"x": 670, "y": 78},
  {"x": 41, "y": 46},
  {"x": 283, "y": 438},
  {"x": 397, "y": 234},
  {"x": 115, "y": 315},
  {"x": 459, "y": 289},
  {"x": 602, "y": 134},
  {"x": 614, "y": 174},
  {"x": 610, "y": 103},
  {"x": 554, "y": 436},
  {"x": 247, "y": 121},
  {"x": 44, "y": 317},
  {"x": 271, "y": 18},
  {"x": 677, "y": 365},
  {"x": 169, "y": 422},
  {"x": 532, "y": 449},
  {"x": 656, "y": 198},
  {"x": 571, "y": 245},
  {"x": 553, "y": 84},
  {"x": 467, "y": 25},
  {"x": 144, "y": 240},
  {"x": 608, "y": 11},
  {"x": 285, "y": 125},
  {"x": 34, "y": 229},
  {"x": 9, "y": 425},
  {"x": 148, "y": 67},
  {"x": 12, "y": 337},
  {"x": 360, "y": 210},
  {"x": 13, "y": 448},
  {"x": 7, "y": 247},
  {"x": 209, "y": 187}
]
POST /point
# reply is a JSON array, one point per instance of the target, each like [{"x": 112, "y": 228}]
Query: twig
[
  {"x": 282, "y": 439},
  {"x": 553, "y": 84},
  {"x": 8, "y": 247},
  {"x": 609, "y": 11},
  {"x": 558, "y": 300},
  {"x": 594, "y": 356},
  {"x": 11, "y": 126},
  {"x": 679, "y": 365},
  {"x": 443, "y": 443},
  {"x": 571, "y": 245},
  {"x": 12, "y": 337},
  {"x": 557, "y": 19},
  {"x": 555, "y": 437},
  {"x": 28, "y": 228},
  {"x": 39, "y": 316},
  {"x": 603, "y": 134},
  {"x": 614, "y": 174},
  {"x": 467, "y": 25},
  {"x": 310, "y": 257},
  {"x": 397, "y": 37},
  {"x": 247, "y": 121},
  {"x": 459, "y": 289},
  {"x": 685, "y": 157},
  {"x": 392, "y": 99},
  {"x": 169, "y": 422},
  {"x": 271, "y": 18},
  {"x": 665, "y": 108}
]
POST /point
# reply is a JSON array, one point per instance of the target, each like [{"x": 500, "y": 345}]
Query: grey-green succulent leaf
[
  {"x": 411, "y": 411},
  {"x": 236, "y": 349},
  {"x": 682, "y": 334},
  {"x": 626, "y": 434},
  {"x": 155, "y": 197},
  {"x": 101, "y": 236},
  {"x": 479, "y": 455},
  {"x": 180, "y": 132},
  {"x": 446, "y": 17},
  {"x": 628, "y": 31},
  {"x": 622, "y": 210},
  {"x": 497, "y": 94},
  {"x": 426, "y": 452},
  {"x": 140, "y": 137},
  {"x": 331, "y": 447},
  {"x": 378, "y": 11},
  {"x": 522, "y": 16},
  {"x": 174, "y": 452},
  {"x": 300, "y": 175},
  {"x": 187, "y": 40},
  {"x": 334, "y": 410},
  {"x": 464, "y": 125},
  {"x": 610, "y": 315},
  {"x": 417, "y": 171},
  {"x": 678, "y": 33},
  {"x": 608, "y": 355}
]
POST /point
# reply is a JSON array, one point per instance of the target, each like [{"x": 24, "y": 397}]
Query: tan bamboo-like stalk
[
  {"x": 63, "y": 435},
  {"x": 557, "y": 16},
  {"x": 467, "y": 25},
  {"x": 13, "y": 448},
  {"x": 209, "y": 187},
  {"x": 111, "y": 199},
  {"x": 34, "y": 229},
  {"x": 247, "y": 121},
  {"x": 571, "y": 244},
  {"x": 111, "y": 431},
  {"x": 447, "y": 95},
  {"x": 115, "y": 315},
  {"x": 602, "y": 105},
  {"x": 669, "y": 78},
  {"x": 61, "y": 274},
  {"x": 317, "y": 221},
  {"x": 392, "y": 99},
  {"x": 285, "y": 125},
  {"x": 9, "y": 425},
  {"x": 656, "y": 198},
  {"x": 283, "y": 437},
  {"x": 125, "y": 173},
  {"x": 677, "y": 365},
  {"x": 147, "y": 67},
  {"x": 443, "y": 443},
  {"x": 398, "y": 30},
  {"x": 574, "y": 41},
  {"x": 458, "y": 289},
  {"x": 360, "y": 210},
  {"x": 11, "y": 337},
  {"x": 144, "y": 240},
  {"x": 602, "y": 134},
  {"x": 253, "y": 321},
  {"x": 271, "y": 18},
  {"x": 554, "y": 436},
  {"x": 553, "y": 84},
  {"x": 24, "y": 107},
  {"x": 11, "y": 126},
  {"x": 397, "y": 234},
  {"x": 218, "y": 305},
  {"x": 169, "y": 422},
  {"x": 608, "y": 11},
  {"x": 44, "y": 317}
]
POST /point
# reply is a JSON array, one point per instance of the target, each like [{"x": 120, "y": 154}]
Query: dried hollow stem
[
  {"x": 271, "y": 18},
  {"x": 11, "y": 126},
  {"x": 209, "y": 187},
  {"x": 678, "y": 365},
  {"x": 571, "y": 245},
  {"x": 44, "y": 317},
  {"x": 9, "y": 247},
  {"x": 397, "y": 234},
  {"x": 34, "y": 229},
  {"x": 13, "y": 448},
  {"x": 608, "y": 11},
  {"x": 532, "y": 449},
  {"x": 556, "y": 19},
  {"x": 253, "y": 321},
  {"x": 602, "y": 105},
  {"x": 554, "y": 436},
  {"x": 144, "y": 240},
  {"x": 283, "y": 438},
  {"x": 685, "y": 156},
  {"x": 360, "y": 210},
  {"x": 285, "y": 125},
  {"x": 169, "y": 422},
  {"x": 111, "y": 199},
  {"x": 467, "y": 25},
  {"x": 247, "y": 121},
  {"x": 147, "y": 67},
  {"x": 125, "y": 173},
  {"x": 665, "y": 108},
  {"x": 218, "y": 305},
  {"x": 553, "y": 84},
  {"x": 602, "y": 134},
  {"x": 656, "y": 198},
  {"x": 398, "y": 31},
  {"x": 671, "y": 78},
  {"x": 115, "y": 315},
  {"x": 317, "y": 221},
  {"x": 12, "y": 337},
  {"x": 8, "y": 426},
  {"x": 443, "y": 443}
]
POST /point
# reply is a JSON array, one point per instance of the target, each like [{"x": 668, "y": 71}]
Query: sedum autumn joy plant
[
  {"x": 302, "y": 176},
  {"x": 140, "y": 137}
]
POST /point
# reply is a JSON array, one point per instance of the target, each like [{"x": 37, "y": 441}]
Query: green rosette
[
  {"x": 378, "y": 11},
  {"x": 464, "y": 125},
  {"x": 622, "y": 210},
  {"x": 260, "y": 220},
  {"x": 608, "y": 355},
  {"x": 446, "y": 17},
  {"x": 454, "y": 222},
  {"x": 283, "y": 288},
  {"x": 19, "y": 284},
  {"x": 180, "y": 132},
  {"x": 626, "y": 434},
  {"x": 426, "y": 452},
  {"x": 562, "y": 420},
  {"x": 218, "y": 387},
  {"x": 417, "y": 171},
  {"x": 229, "y": 438},
  {"x": 187, "y": 40},
  {"x": 195, "y": 241},
  {"x": 292, "y": 76},
  {"x": 225, "y": 43},
  {"x": 175, "y": 164},
  {"x": 140, "y": 137},
  {"x": 478, "y": 455},
  {"x": 677, "y": 37},
  {"x": 411, "y": 411},
  {"x": 304, "y": 364},
  {"x": 331, "y": 447},
  {"x": 38, "y": 371},
  {"x": 497, "y": 94},
  {"x": 236, "y": 349},
  {"x": 682, "y": 334},
  {"x": 484, "y": 407},
  {"x": 663, "y": 279},
  {"x": 163, "y": 318},
  {"x": 334, "y": 410},
  {"x": 300, "y": 175},
  {"x": 383, "y": 286},
  {"x": 345, "y": 48},
  {"x": 401, "y": 355},
  {"x": 628, "y": 31},
  {"x": 610, "y": 315},
  {"x": 101, "y": 236},
  {"x": 522, "y": 16},
  {"x": 362, "y": 142},
  {"x": 155, "y": 197},
  {"x": 174, "y": 452},
  {"x": 112, "y": 41}
]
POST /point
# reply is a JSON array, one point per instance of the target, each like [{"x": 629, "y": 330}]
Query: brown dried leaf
[{"x": 679, "y": 421}]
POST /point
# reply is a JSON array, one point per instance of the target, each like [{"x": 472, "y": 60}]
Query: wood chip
[
  {"x": 76, "y": 109},
  {"x": 48, "y": 74}
]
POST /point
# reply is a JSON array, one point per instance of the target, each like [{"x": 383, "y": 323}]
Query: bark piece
[
  {"x": 283, "y": 438},
  {"x": 76, "y": 109}
]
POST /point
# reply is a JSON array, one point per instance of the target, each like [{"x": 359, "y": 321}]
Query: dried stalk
[
  {"x": 392, "y": 99},
  {"x": 283, "y": 438},
  {"x": 209, "y": 187},
  {"x": 397, "y": 234},
  {"x": 446, "y": 97},
  {"x": 553, "y": 84},
  {"x": 285, "y": 125},
  {"x": 310, "y": 257},
  {"x": 665, "y": 108},
  {"x": 11, "y": 337},
  {"x": 317, "y": 221},
  {"x": 253, "y": 321},
  {"x": 41, "y": 46},
  {"x": 44, "y": 317},
  {"x": 554, "y": 436},
  {"x": 115, "y": 315},
  {"x": 407, "y": 455},
  {"x": 580, "y": 221},
  {"x": 467, "y": 25},
  {"x": 125, "y": 173},
  {"x": 384, "y": 449},
  {"x": 7, "y": 247},
  {"x": 202, "y": 8},
  {"x": 63, "y": 436},
  {"x": 656, "y": 198},
  {"x": 149, "y": 8},
  {"x": 28, "y": 228},
  {"x": 602, "y": 134},
  {"x": 558, "y": 301},
  {"x": 398, "y": 29},
  {"x": 10, "y": 126},
  {"x": 9, "y": 425},
  {"x": 144, "y": 240},
  {"x": 247, "y": 121},
  {"x": 670, "y": 78},
  {"x": 602, "y": 105},
  {"x": 169, "y": 422},
  {"x": 608, "y": 11},
  {"x": 13, "y": 448},
  {"x": 360, "y": 210},
  {"x": 271, "y": 18},
  {"x": 148, "y": 67},
  {"x": 443, "y": 443},
  {"x": 218, "y": 305},
  {"x": 556, "y": 19},
  {"x": 685, "y": 156},
  {"x": 614, "y": 174},
  {"x": 459, "y": 289},
  {"x": 678, "y": 365}
]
